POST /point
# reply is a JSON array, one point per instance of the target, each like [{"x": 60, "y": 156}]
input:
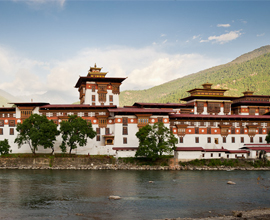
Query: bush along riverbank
[{"x": 104, "y": 162}]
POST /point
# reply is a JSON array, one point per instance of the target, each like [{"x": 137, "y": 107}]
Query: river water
[{"x": 73, "y": 194}]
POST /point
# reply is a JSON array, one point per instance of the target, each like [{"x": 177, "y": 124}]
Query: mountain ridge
[{"x": 245, "y": 71}]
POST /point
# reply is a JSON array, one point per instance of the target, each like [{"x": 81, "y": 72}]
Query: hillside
[
  {"x": 249, "y": 71},
  {"x": 5, "y": 98}
]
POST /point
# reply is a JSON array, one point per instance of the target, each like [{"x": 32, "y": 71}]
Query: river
[{"x": 75, "y": 194}]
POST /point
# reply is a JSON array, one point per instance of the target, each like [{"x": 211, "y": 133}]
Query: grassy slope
[{"x": 249, "y": 71}]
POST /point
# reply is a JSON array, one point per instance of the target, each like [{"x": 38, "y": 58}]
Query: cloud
[
  {"x": 195, "y": 37},
  {"x": 163, "y": 35},
  {"x": 144, "y": 67},
  {"x": 243, "y": 21},
  {"x": 224, "y": 25},
  {"x": 165, "y": 41},
  {"x": 260, "y": 35},
  {"x": 224, "y": 38},
  {"x": 38, "y": 3}
]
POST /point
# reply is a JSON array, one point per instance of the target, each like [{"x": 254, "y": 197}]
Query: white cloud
[
  {"x": 195, "y": 37},
  {"x": 224, "y": 25},
  {"x": 163, "y": 35},
  {"x": 144, "y": 68},
  {"x": 37, "y": 3},
  {"x": 224, "y": 38},
  {"x": 260, "y": 35},
  {"x": 165, "y": 41},
  {"x": 243, "y": 21}
]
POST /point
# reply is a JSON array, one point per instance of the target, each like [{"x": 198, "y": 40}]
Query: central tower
[{"x": 97, "y": 89}]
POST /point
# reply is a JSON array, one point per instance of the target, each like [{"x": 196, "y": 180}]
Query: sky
[{"x": 45, "y": 45}]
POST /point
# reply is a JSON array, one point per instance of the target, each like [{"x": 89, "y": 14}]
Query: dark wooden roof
[
  {"x": 27, "y": 104},
  {"x": 206, "y": 97},
  {"x": 163, "y": 105},
  {"x": 140, "y": 110},
  {"x": 70, "y": 106},
  {"x": 221, "y": 117},
  {"x": 84, "y": 79}
]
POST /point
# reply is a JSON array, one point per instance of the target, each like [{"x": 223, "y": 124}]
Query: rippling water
[{"x": 71, "y": 194}]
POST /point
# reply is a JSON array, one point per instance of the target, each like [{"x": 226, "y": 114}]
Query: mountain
[
  {"x": 52, "y": 97},
  {"x": 249, "y": 71},
  {"x": 6, "y": 98}
]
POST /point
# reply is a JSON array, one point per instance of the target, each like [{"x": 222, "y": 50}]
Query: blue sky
[{"x": 46, "y": 44}]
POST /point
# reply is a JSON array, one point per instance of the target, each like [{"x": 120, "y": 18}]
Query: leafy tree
[
  {"x": 75, "y": 131},
  {"x": 4, "y": 147},
  {"x": 267, "y": 138},
  {"x": 37, "y": 131},
  {"x": 154, "y": 140}
]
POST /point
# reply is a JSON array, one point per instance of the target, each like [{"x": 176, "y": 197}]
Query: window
[
  {"x": 260, "y": 130},
  {"x": 216, "y": 140},
  {"x": 11, "y": 131},
  {"x": 93, "y": 88},
  {"x": 251, "y": 139},
  {"x": 124, "y": 140},
  {"x": 1, "y": 123},
  {"x": 232, "y": 130},
  {"x": 11, "y": 123},
  {"x": 1, "y": 131},
  {"x": 111, "y": 98},
  {"x": 98, "y": 137},
  {"x": 211, "y": 154},
  {"x": 208, "y": 140},
  {"x": 125, "y": 121},
  {"x": 125, "y": 130},
  {"x": 224, "y": 139},
  {"x": 242, "y": 139},
  {"x": 160, "y": 119},
  {"x": 202, "y": 123},
  {"x": 228, "y": 155},
  {"x": 196, "y": 139},
  {"x": 102, "y": 122},
  {"x": 219, "y": 154},
  {"x": 93, "y": 98},
  {"x": 202, "y": 155},
  {"x": 98, "y": 130},
  {"x": 107, "y": 131},
  {"x": 242, "y": 130},
  {"x": 233, "y": 139},
  {"x": 181, "y": 140},
  {"x": 260, "y": 139},
  {"x": 93, "y": 103},
  {"x": 209, "y": 130},
  {"x": 196, "y": 130}
]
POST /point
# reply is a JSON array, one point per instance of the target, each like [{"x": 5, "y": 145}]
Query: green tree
[
  {"x": 4, "y": 147},
  {"x": 267, "y": 138},
  {"x": 155, "y": 140},
  {"x": 75, "y": 131},
  {"x": 37, "y": 131}
]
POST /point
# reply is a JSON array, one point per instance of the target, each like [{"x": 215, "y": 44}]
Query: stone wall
[{"x": 88, "y": 163}]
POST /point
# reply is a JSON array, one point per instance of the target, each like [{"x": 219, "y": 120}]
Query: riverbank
[
  {"x": 256, "y": 214},
  {"x": 109, "y": 163}
]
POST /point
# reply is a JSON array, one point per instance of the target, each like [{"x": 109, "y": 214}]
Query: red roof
[
  {"x": 70, "y": 106},
  {"x": 220, "y": 116},
  {"x": 162, "y": 105},
  {"x": 237, "y": 151},
  {"x": 124, "y": 148},
  {"x": 141, "y": 110},
  {"x": 189, "y": 149},
  {"x": 215, "y": 150},
  {"x": 267, "y": 149}
]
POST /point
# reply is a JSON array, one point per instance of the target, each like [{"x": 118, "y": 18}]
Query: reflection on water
[{"x": 70, "y": 194}]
